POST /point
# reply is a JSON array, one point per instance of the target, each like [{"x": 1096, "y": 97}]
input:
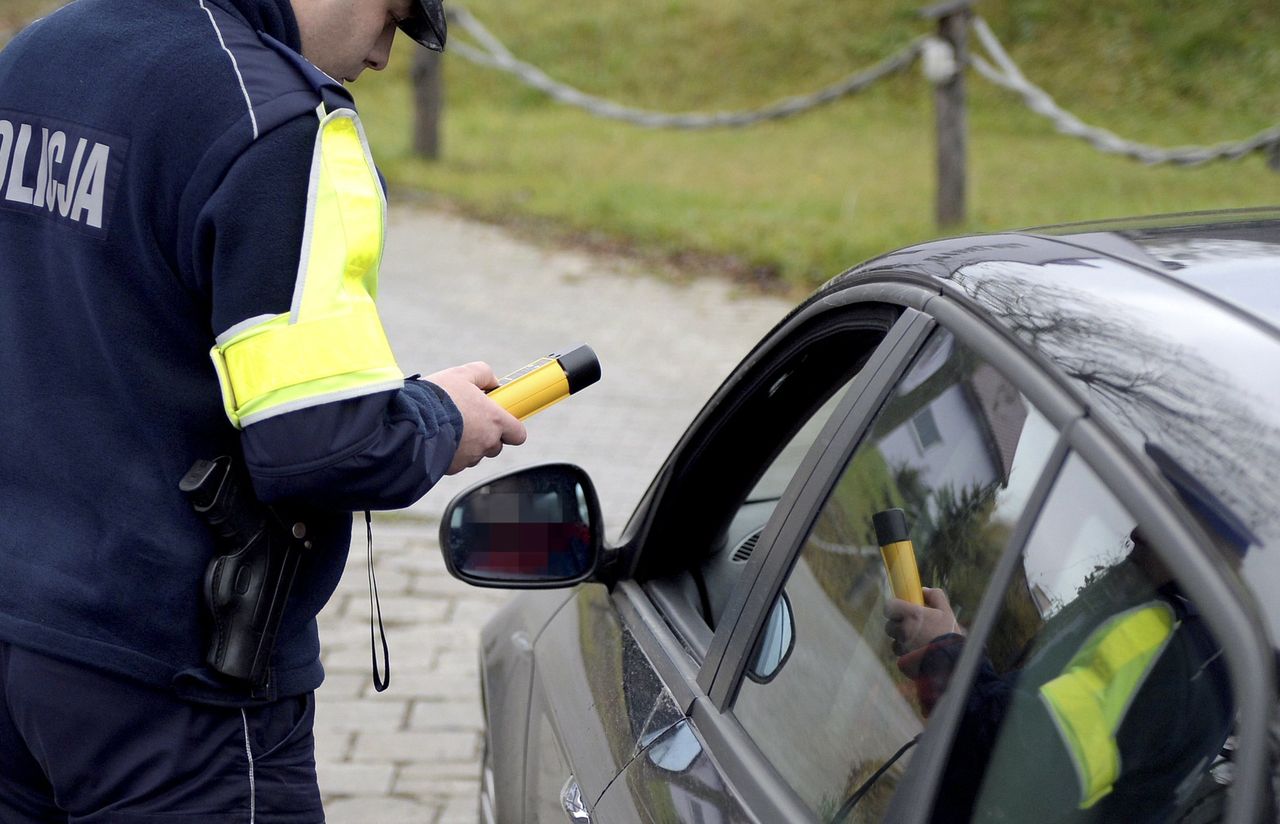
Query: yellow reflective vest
[{"x": 330, "y": 344}]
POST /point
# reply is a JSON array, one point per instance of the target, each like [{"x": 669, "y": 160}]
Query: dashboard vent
[{"x": 743, "y": 551}]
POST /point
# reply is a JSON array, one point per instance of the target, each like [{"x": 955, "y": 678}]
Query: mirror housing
[
  {"x": 777, "y": 640},
  {"x": 534, "y": 528}
]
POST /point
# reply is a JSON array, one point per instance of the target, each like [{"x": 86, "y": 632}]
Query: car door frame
[{"x": 704, "y": 689}]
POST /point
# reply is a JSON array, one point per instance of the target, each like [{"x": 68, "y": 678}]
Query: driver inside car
[{"x": 1113, "y": 712}]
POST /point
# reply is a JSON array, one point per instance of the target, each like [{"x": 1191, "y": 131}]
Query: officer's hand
[
  {"x": 486, "y": 426},
  {"x": 911, "y": 626}
]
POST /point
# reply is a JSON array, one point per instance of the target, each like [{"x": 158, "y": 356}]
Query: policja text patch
[{"x": 60, "y": 170}]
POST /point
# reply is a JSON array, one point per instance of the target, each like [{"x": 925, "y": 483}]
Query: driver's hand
[{"x": 911, "y": 626}]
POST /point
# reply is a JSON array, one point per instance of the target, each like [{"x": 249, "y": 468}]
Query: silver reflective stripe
[
  {"x": 253, "y": 797},
  {"x": 253, "y": 118},
  {"x": 240, "y": 327},
  {"x": 316, "y": 400},
  {"x": 304, "y": 257},
  {"x": 313, "y": 188}
]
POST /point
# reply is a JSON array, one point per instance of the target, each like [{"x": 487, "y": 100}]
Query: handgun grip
[{"x": 246, "y": 592}]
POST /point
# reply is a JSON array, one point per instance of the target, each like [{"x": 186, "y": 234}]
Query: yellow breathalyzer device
[
  {"x": 546, "y": 381},
  {"x": 898, "y": 554}
]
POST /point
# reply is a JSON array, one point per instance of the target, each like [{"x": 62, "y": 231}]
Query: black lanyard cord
[{"x": 380, "y": 683}]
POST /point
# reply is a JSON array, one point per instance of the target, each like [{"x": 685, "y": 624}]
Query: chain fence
[
  {"x": 1006, "y": 74},
  {"x": 494, "y": 54},
  {"x": 939, "y": 65}
]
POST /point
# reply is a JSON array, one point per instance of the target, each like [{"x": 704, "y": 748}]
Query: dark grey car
[{"x": 1077, "y": 422}]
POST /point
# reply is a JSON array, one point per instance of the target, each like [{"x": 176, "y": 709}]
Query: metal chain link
[
  {"x": 1010, "y": 77},
  {"x": 496, "y": 55}
]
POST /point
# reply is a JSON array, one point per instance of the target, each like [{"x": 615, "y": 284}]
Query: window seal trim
[{"x": 912, "y": 293}]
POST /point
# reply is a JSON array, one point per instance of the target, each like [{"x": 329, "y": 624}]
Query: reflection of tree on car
[{"x": 1122, "y": 688}]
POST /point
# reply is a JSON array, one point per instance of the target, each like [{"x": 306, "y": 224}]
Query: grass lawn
[{"x": 802, "y": 199}]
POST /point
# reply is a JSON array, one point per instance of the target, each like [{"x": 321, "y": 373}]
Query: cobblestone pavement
[{"x": 454, "y": 291}]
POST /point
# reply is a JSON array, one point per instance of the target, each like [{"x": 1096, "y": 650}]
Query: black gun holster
[{"x": 249, "y": 577}]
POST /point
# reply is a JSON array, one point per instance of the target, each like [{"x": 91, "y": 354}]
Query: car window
[
  {"x": 1102, "y": 695},
  {"x": 957, "y": 449},
  {"x": 773, "y": 482},
  {"x": 719, "y": 500}
]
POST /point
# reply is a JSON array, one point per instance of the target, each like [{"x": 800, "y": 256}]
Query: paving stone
[
  {"x": 462, "y": 663},
  {"x": 445, "y": 715},
  {"x": 439, "y": 787},
  {"x": 467, "y": 772},
  {"x": 404, "y": 609},
  {"x": 419, "y": 685},
  {"x": 362, "y": 716},
  {"x": 339, "y": 685},
  {"x": 341, "y": 778},
  {"x": 416, "y": 746},
  {"x": 384, "y": 810},
  {"x": 459, "y": 811},
  {"x": 425, "y": 686},
  {"x": 459, "y": 780},
  {"x": 332, "y": 746},
  {"x": 472, "y": 613}
]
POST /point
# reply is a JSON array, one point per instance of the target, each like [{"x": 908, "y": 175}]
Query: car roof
[
  {"x": 1233, "y": 256},
  {"x": 1168, "y": 331}
]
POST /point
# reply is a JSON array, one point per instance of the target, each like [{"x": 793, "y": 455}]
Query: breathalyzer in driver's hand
[{"x": 898, "y": 554}]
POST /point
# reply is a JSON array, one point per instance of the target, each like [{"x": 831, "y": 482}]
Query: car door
[{"x": 738, "y": 668}]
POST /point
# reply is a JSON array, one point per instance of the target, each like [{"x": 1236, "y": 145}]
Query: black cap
[
  {"x": 425, "y": 24},
  {"x": 891, "y": 526},
  {"x": 581, "y": 367}
]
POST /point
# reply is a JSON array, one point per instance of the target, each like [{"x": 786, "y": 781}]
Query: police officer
[{"x": 191, "y": 227}]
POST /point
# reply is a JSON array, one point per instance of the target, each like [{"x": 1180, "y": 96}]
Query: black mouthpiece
[
  {"x": 891, "y": 526},
  {"x": 581, "y": 367}
]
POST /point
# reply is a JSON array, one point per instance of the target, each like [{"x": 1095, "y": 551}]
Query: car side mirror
[
  {"x": 776, "y": 642},
  {"x": 533, "y": 528}
]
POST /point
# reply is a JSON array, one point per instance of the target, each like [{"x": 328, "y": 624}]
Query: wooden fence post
[
  {"x": 950, "y": 116},
  {"x": 427, "y": 74}
]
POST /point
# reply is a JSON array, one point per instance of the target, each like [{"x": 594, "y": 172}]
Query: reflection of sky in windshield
[
  {"x": 1182, "y": 373},
  {"x": 1079, "y": 529},
  {"x": 1041, "y": 435}
]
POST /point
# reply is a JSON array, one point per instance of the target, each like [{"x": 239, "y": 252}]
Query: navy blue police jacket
[{"x": 154, "y": 162}]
